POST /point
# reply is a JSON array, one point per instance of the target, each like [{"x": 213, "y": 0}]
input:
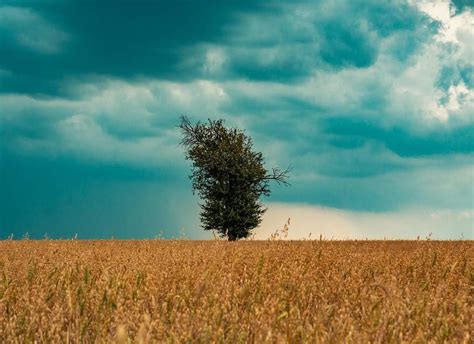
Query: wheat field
[{"x": 233, "y": 292}]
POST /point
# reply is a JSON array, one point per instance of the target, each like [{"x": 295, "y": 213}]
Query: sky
[{"x": 371, "y": 103}]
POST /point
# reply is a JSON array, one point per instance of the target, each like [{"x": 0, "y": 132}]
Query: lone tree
[{"x": 228, "y": 175}]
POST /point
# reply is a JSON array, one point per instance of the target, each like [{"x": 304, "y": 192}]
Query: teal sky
[{"x": 371, "y": 102}]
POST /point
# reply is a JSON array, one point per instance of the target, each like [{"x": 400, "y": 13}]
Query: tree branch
[{"x": 278, "y": 175}]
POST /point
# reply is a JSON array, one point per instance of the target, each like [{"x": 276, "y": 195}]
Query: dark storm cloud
[
  {"x": 80, "y": 39},
  {"x": 442, "y": 141},
  {"x": 135, "y": 39}
]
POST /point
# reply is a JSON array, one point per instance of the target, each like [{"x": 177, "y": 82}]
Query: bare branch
[{"x": 280, "y": 176}]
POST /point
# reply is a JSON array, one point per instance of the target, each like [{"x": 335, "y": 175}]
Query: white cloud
[
  {"x": 451, "y": 46},
  {"x": 437, "y": 9},
  {"x": 111, "y": 120},
  {"x": 455, "y": 27},
  {"x": 214, "y": 60}
]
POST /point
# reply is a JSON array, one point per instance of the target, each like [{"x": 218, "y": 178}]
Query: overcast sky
[{"x": 371, "y": 102}]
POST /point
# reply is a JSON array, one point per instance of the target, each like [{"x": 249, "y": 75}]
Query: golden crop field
[{"x": 248, "y": 291}]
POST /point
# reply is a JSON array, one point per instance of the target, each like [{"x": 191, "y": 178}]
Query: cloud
[
  {"x": 127, "y": 41},
  {"x": 29, "y": 30},
  {"x": 233, "y": 39},
  {"x": 437, "y": 183},
  {"x": 309, "y": 222},
  {"x": 438, "y": 141},
  {"x": 108, "y": 121},
  {"x": 370, "y": 103},
  {"x": 293, "y": 40},
  {"x": 461, "y": 5}
]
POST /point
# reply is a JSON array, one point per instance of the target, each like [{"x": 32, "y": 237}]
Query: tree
[{"x": 228, "y": 175}]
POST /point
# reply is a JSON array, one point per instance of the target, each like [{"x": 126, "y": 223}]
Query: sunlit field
[{"x": 250, "y": 291}]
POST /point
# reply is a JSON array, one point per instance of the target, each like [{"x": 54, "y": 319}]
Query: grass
[{"x": 250, "y": 291}]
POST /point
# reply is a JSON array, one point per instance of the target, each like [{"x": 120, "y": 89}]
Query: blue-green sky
[{"x": 371, "y": 102}]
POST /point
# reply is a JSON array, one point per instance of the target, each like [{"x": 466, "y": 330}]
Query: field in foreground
[{"x": 252, "y": 291}]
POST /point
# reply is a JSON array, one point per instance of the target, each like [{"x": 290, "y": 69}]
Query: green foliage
[{"x": 228, "y": 175}]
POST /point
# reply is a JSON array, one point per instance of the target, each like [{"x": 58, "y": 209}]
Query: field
[{"x": 250, "y": 291}]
